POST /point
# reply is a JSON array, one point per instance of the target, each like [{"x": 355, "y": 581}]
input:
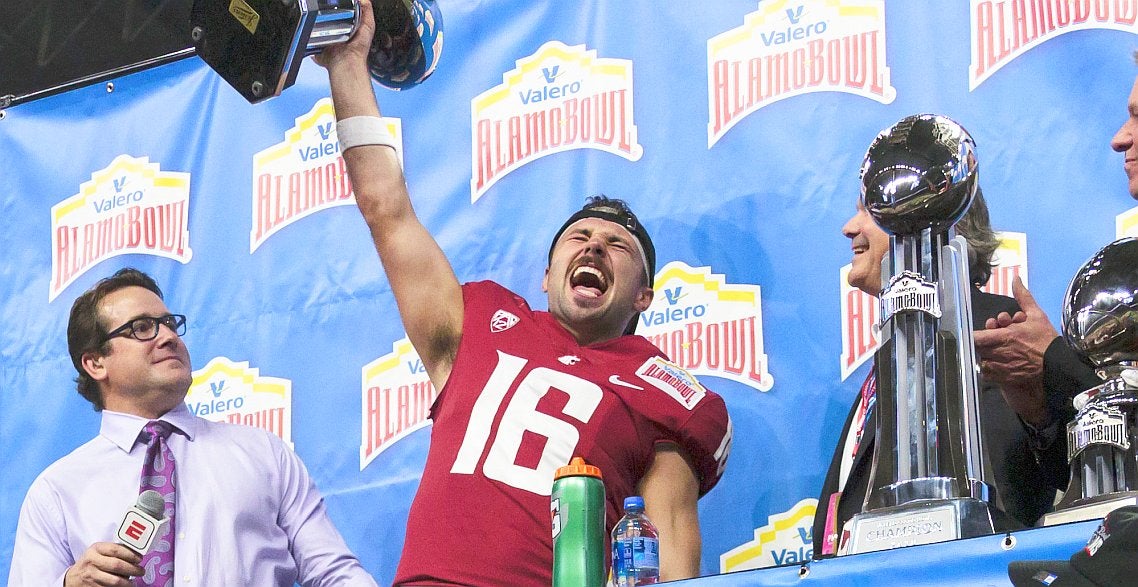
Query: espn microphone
[{"x": 142, "y": 522}]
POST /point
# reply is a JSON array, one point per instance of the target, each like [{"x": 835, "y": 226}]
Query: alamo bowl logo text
[
  {"x": 1009, "y": 262},
  {"x": 859, "y": 325},
  {"x": 397, "y": 398},
  {"x": 234, "y": 392},
  {"x": 787, "y": 538},
  {"x": 1002, "y": 30},
  {"x": 558, "y": 99},
  {"x": 303, "y": 174},
  {"x": 790, "y": 48},
  {"x": 706, "y": 326},
  {"x": 131, "y": 206}
]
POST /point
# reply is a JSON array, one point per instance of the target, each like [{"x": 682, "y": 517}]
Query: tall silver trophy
[
  {"x": 257, "y": 46},
  {"x": 930, "y": 480},
  {"x": 1100, "y": 321}
]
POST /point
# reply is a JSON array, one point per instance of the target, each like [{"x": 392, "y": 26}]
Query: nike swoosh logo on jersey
[{"x": 616, "y": 380}]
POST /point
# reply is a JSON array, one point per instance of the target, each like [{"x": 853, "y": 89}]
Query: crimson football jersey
[{"x": 522, "y": 399}]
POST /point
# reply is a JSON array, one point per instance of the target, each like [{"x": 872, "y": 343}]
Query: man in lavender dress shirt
[{"x": 247, "y": 511}]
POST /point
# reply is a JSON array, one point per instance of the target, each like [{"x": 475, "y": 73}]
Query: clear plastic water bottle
[{"x": 635, "y": 547}]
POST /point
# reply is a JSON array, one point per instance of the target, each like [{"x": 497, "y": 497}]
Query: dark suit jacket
[
  {"x": 1020, "y": 480},
  {"x": 1065, "y": 375}
]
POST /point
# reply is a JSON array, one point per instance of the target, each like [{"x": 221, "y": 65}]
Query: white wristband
[{"x": 364, "y": 130}]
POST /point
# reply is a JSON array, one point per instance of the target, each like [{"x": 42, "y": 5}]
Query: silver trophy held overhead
[
  {"x": 930, "y": 480},
  {"x": 1100, "y": 321},
  {"x": 257, "y": 46}
]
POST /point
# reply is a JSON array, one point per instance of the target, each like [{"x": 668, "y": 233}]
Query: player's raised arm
[{"x": 426, "y": 290}]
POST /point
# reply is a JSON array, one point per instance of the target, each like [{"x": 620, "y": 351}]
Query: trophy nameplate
[{"x": 914, "y": 524}]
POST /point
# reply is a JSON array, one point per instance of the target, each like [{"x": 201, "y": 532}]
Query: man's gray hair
[{"x": 976, "y": 228}]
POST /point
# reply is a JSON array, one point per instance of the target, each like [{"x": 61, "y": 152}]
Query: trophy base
[
  {"x": 1091, "y": 508},
  {"x": 911, "y": 524}
]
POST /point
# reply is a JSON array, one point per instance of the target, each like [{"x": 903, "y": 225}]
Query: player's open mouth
[{"x": 588, "y": 281}]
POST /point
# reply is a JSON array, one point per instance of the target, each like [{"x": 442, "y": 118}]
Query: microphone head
[
  {"x": 151, "y": 502},
  {"x": 142, "y": 522}
]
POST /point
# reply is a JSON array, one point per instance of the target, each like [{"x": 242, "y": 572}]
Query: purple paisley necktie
[{"x": 158, "y": 474}]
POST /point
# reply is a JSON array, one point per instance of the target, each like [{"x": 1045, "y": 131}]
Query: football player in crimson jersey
[{"x": 523, "y": 391}]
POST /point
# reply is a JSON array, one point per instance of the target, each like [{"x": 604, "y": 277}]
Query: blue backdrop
[{"x": 735, "y": 128}]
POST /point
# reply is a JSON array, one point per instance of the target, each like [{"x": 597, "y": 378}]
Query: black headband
[{"x": 625, "y": 219}]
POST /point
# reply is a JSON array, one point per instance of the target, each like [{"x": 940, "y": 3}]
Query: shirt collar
[{"x": 123, "y": 429}]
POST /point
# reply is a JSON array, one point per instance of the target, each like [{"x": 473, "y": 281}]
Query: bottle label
[
  {"x": 621, "y": 559},
  {"x": 646, "y": 553},
  {"x": 633, "y": 556},
  {"x": 555, "y": 513}
]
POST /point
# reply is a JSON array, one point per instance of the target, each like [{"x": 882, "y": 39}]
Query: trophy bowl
[
  {"x": 257, "y": 46},
  {"x": 408, "y": 42},
  {"x": 919, "y": 173},
  {"x": 1100, "y": 311}
]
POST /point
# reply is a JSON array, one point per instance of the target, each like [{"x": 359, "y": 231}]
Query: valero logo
[
  {"x": 787, "y": 49},
  {"x": 397, "y": 398},
  {"x": 232, "y": 391},
  {"x": 787, "y": 538},
  {"x": 1005, "y": 29},
  {"x": 859, "y": 325},
  {"x": 131, "y": 206},
  {"x": 1126, "y": 224},
  {"x": 1009, "y": 262},
  {"x": 707, "y": 326},
  {"x": 558, "y": 99},
  {"x": 303, "y": 174}
]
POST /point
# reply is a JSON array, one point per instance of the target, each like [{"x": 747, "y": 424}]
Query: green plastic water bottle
[{"x": 577, "y": 505}]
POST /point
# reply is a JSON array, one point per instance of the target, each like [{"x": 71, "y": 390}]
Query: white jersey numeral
[{"x": 521, "y": 416}]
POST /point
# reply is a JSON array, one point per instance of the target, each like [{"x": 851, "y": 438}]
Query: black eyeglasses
[{"x": 146, "y": 327}]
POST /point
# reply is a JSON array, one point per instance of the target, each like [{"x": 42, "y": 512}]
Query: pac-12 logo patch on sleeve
[{"x": 672, "y": 380}]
